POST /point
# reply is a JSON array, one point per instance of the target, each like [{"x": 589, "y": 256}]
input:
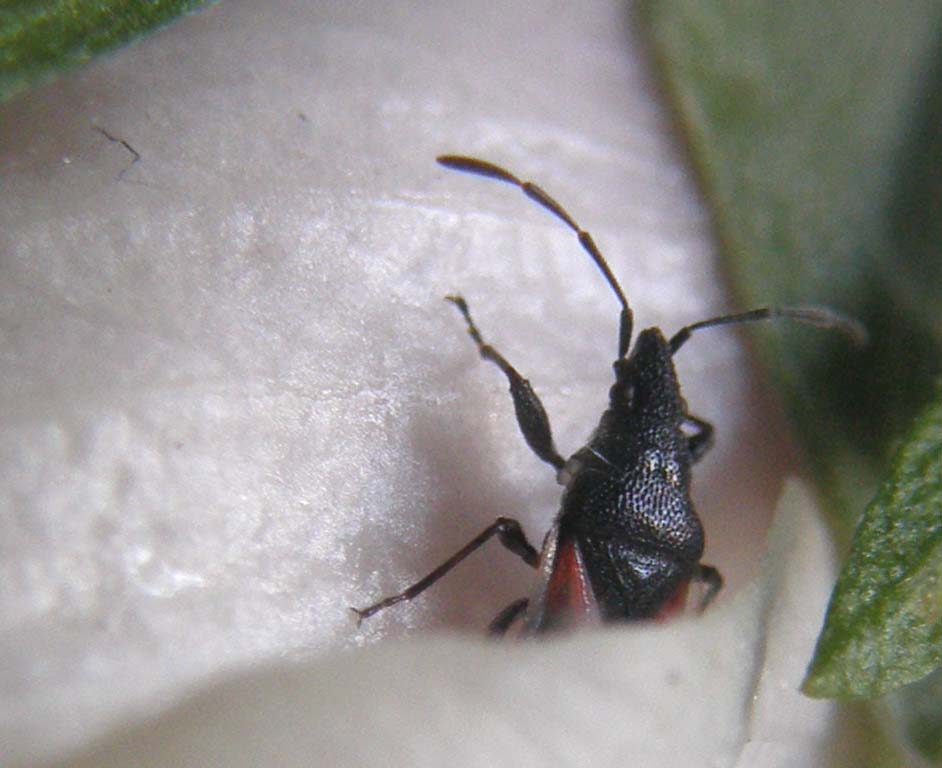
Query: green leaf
[
  {"x": 39, "y": 38},
  {"x": 884, "y": 623}
]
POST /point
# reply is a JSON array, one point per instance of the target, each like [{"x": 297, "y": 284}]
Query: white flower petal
[{"x": 719, "y": 690}]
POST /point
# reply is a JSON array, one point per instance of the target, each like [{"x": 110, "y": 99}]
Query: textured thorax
[{"x": 631, "y": 480}]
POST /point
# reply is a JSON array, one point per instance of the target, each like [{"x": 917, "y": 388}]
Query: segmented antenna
[
  {"x": 538, "y": 195},
  {"x": 821, "y": 317}
]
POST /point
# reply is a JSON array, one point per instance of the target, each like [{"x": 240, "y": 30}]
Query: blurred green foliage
[
  {"x": 816, "y": 129},
  {"x": 40, "y": 38}
]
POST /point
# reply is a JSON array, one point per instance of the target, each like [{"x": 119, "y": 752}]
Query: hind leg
[{"x": 506, "y": 617}]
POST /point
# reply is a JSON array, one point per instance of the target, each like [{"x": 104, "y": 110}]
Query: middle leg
[
  {"x": 710, "y": 576},
  {"x": 509, "y": 533}
]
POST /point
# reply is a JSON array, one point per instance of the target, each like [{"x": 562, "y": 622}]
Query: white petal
[{"x": 721, "y": 690}]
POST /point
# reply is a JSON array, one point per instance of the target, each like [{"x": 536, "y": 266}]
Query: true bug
[{"x": 627, "y": 541}]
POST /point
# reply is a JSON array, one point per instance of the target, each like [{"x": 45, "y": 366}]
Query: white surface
[
  {"x": 718, "y": 691},
  {"x": 233, "y": 401}
]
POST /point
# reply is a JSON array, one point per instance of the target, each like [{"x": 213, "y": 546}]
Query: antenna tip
[
  {"x": 825, "y": 317},
  {"x": 454, "y": 161}
]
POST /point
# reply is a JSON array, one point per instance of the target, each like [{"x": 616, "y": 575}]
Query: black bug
[{"x": 627, "y": 541}]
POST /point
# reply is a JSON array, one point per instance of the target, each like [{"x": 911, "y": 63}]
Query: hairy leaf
[{"x": 884, "y": 623}]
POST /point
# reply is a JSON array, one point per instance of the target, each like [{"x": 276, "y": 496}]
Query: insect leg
[
  {"x": 511, "y": 536},
  {"x": 531, "y": 415},
  {"x": 708, "y": 575},
  {"x": 702, "y": 438},
  {"x": 506, "y": 617}
]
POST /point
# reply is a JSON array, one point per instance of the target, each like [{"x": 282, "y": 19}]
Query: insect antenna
[
  {"x": 821, "y": 317},
  {"x": 538, "y": 195}
]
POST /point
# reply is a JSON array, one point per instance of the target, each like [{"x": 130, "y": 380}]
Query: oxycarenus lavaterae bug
[{"x": 626, "y": 542}]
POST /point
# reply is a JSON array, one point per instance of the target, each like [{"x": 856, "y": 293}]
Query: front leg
[
  {"x": 531, "y": 415},
  {"x": 702, "y": 438}
]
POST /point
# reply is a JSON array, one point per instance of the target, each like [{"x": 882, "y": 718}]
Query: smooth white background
[{"x": 232, "y": 399}]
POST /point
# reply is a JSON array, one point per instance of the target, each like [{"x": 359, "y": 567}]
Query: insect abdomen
[{"x": 632, "y": 581}]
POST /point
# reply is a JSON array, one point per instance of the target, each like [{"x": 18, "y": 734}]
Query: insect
[{"x": 626, "y": 543}]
